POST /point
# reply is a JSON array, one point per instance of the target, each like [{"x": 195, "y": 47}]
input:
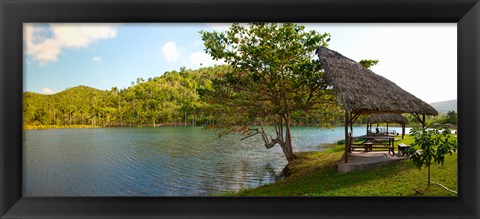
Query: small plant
[{"x": 430, "y": 145}]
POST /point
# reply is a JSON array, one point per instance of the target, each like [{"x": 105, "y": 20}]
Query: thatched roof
[
  {"x": 386, "y": 118},
  {"x": 361, "y": 90}
]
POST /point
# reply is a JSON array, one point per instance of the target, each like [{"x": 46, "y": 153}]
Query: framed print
[{"x": 210, "y": 109}]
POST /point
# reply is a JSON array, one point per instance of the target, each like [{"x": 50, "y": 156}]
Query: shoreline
[
  {"x": 315, "y": 173},
  {"x": 43, "y": 127}
]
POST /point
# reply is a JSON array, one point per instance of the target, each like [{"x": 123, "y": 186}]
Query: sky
[{"x": 420, "y": 58}]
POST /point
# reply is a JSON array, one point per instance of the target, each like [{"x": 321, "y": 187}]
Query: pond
[{"x": 156, "y": 161}]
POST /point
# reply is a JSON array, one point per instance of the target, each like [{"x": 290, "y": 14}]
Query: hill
[
  {"x": 62, "y": 108},
  {"x": 166, "y": 99},
  {"x": 445, "y": 106}
]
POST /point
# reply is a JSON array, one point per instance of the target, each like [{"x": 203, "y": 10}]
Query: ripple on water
[{"x": 166, "y": 161}]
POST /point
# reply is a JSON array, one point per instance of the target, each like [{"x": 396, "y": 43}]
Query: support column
[
  {"x": 423, "y": 120},
  {"x": 347, "y": 140}
]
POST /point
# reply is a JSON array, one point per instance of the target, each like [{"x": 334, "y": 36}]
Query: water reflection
[{"x": 167, "y": 161}]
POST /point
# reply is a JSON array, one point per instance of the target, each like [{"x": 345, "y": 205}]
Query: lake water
[{"x": 162, "y": 161}]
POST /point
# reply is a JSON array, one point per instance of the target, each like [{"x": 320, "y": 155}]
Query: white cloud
[
  {"x": 81, "y": 35},
  {"x": 170, "y": 52},
  {"x": 97, "y": 59},
  {"x": 46, "y": 51},
  {"x": 46, "y": 44},
  {"x": 47, "y": 90},
  {"x": 204, "y": 59}
]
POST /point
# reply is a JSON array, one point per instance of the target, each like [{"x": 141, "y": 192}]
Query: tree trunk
[
  {"x": 193, "y": 119},
  {"x": 428, "y": 174},
  {"x": 287, "y": 145}
]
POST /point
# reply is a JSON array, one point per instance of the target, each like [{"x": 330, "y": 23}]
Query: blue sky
[{"x": 420, "y": 58}]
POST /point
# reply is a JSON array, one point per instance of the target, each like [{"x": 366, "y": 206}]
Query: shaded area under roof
[
  {"x": 385, "y": 118},
  {"x": 360, "y": 90}
]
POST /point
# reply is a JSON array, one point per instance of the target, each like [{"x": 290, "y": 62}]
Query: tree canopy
[
  {"x": 169, "y": 99},
  {"x": 273, "y": 74},
  {"x": 430, "y": 145}
]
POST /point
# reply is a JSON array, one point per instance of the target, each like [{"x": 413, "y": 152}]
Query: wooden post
[
  {"x": 423, "y": 120},
  {"x": 403, "y": 130},
  {"x": 350, "y": 121},
  {"x": 347, "y": 140}
]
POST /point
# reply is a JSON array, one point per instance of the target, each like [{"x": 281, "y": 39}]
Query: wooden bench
[
  {"x": 402, "y": 147},
  {"x": 371, "y": 142},
  {"x": 367, "y": 145}
]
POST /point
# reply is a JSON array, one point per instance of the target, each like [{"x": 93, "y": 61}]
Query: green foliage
[
  {"x": 451, "y": 118},
  {"x": 273, "y": 76},
  {"x": 430, "y": 145},
  {"x": 367, "y": 63},
  {"x": 316, "y": 174},
  {"x": 175, "y": 98},
  {"x": 165, "y": 100}
]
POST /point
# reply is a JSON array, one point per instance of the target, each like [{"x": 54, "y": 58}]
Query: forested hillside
[{"x": 172, "y": 99}]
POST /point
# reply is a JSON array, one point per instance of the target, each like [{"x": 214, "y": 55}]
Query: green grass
[{"x": 315, "y": 174}]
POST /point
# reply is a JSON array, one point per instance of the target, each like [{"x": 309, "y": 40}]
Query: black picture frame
[{"x": 466, "y": 13}]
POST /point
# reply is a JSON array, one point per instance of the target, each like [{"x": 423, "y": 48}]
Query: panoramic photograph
[{"x": 239, "y": 109}]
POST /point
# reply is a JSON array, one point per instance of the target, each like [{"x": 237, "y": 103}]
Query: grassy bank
[{"x": 315, "y": 174}]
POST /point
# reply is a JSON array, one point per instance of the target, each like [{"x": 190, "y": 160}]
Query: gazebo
[
  {"x": 385, "y": 118},
  {"x": 361, "y": 91}
]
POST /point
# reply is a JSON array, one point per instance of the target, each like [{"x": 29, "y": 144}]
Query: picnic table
[
  {"x": 402, "y": 147},
  {"x": 374, "y": 141}
]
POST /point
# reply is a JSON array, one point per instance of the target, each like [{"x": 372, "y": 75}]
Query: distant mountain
[{"x": 445, "y": 106}]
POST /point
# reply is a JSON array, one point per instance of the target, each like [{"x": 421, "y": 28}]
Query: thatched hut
[
  {"x": 361, "y": 91},
  {"x": 385, "y": 118}
]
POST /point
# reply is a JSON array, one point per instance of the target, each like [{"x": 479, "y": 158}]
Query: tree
[
  {"x": 367, "y": 63},
  {"x": 430, "y": 146},
  {"x": 452, "y": 117},
  {"x": 273, "y": 73},
  {"x": 168, "y": 98}
]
